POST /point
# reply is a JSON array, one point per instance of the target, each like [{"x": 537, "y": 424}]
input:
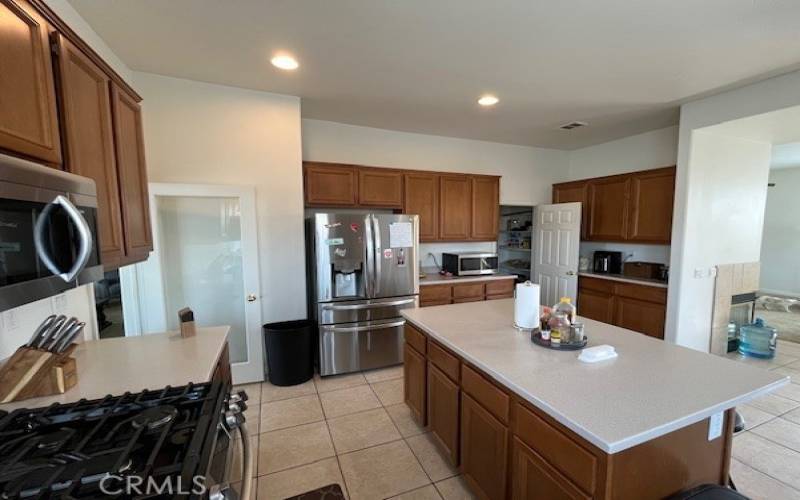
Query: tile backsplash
[{"x": 17, "y": 325}]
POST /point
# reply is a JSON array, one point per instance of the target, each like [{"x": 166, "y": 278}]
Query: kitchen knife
[
  {"x": 67, "y": 338},
  {"x": 48, "y": 321},
  {"x": 48, "y": 334},
  {"x": 53, "y": 340}
]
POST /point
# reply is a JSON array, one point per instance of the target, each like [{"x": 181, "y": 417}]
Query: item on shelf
[
  {"x": 526, "y": 306},
  {"x": 758, "y": 340}
]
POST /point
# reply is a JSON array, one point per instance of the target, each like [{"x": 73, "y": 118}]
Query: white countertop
[
  {"x": 624, "y": 279},
  {"x": 114, "y": 366},
  {"x": 649, "y": 390},
  {"x": 434, "y": 278}
]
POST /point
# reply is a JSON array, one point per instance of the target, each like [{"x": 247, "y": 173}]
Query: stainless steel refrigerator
[{"x": 363, "y": 269}]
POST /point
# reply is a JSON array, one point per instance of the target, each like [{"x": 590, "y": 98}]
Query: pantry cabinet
[{"x": 28, "y": 116}]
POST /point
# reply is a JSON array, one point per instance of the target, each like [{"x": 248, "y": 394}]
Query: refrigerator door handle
[
  {"x": 370, "y": 253},
  {"x": 374, "y": 305},
  {"x": 378, "y": 255},
  {"x": 348, "y": 329}
]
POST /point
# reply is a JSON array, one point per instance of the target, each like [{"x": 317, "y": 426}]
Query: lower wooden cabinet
[
  {"x": 535, "y": 478},
  {"x": 640, "y": 316},
  {"x": 640, "y": 308},
  {"x": 598, "y": 306},
  {"x": 484, "y": 450},
  {"x": 457, "y": 293},
  {"x": 443, "y": 409},
  {"x": 414, "y": 384}
]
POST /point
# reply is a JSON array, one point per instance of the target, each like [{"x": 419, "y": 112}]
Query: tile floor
[{"x": 355, "y": 430}]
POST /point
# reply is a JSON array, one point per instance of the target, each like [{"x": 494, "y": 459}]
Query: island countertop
[
  {"x": 117, "y": 365},
  {"x": 651, "y": 389}
]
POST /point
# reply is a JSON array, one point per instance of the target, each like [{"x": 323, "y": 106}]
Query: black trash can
[{"x": 290, "y": 351}]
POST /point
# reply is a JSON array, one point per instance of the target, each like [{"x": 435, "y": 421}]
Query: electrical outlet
[
  {"x": 10, "y": 320},
  {"x": 715, "y": 425},
  {"x": 60, "y": 303},
  {"x": 699, "y": 273}
]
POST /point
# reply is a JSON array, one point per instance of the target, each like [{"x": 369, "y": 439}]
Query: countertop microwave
[
  {"x": 48, "y": 232},
  {"x": 470, "y": 264}
]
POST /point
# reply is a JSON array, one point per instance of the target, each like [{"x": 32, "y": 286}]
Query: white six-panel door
[{"x": 557, "y": 230}]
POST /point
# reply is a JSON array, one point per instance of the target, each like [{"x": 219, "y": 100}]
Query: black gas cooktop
[{"x": 90, "y": 449}]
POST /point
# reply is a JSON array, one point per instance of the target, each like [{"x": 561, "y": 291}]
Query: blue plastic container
[{"x": 758, "y": 340}]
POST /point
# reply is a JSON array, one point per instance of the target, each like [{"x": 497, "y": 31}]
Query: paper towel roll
[{"x": 526, "y": 306}]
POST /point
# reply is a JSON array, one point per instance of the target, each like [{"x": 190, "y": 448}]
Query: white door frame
[{"x": 147, "y": 312}]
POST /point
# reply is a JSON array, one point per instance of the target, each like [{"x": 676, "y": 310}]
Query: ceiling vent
[{"x": 572, "y": 125}]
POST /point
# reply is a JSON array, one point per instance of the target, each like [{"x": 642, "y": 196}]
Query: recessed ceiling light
[
  {"x": 488, "y": 100},
  {"x": 284, "y": 61}
]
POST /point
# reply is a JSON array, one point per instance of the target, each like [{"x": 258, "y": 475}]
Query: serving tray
[{"x": 536, "y": 338}]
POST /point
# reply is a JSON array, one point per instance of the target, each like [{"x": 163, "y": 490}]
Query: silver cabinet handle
[
  {"x": 348, "y": 329},
  {"x": 374, "y": 305},
  {"x": 84, "y": 233},
  {"x": 378, "y": 256}
]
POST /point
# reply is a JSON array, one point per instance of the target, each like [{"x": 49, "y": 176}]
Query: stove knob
[
  {"x": 239, "y": 396},
  {"x": 238, "y": 407}
]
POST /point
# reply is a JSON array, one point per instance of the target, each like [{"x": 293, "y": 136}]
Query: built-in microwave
[
  {"x": 470, "y": 264},
  {"x": 48, "y": 232}
]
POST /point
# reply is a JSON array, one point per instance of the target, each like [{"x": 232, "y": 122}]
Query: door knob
[
  {"x": 571, "y": 273},
  {"x": 251, "y": 297}
]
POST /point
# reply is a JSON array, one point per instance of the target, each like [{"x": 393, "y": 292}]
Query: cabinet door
[
  {"x": 415, "y": 384},
  {"x": 455, "y": 207},
  {"x": 535, "y": 478},
  {"x": 570, "y": 192},
  {"x": 422, "y": 198},
  {"x": 330, "y": 185},
  {"x": 640, "y": 316},
  {"x": 129, "y": 142},
  {"x": 484, "y": 450},
  {"x": 28, "y": 116},
  {"x": 595, "y": 305},
  {"x": 380, "y": 188},
  {"x": 485, "y": 208},
  {"x": 608, "y": 208},
  {"x": 652, "y": 195},
  {"x": 89, "y": 141},
  {"x": 443, "y": 411}
]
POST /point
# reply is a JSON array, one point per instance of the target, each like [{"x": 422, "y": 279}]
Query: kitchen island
[{"x": 529, "y": 422}]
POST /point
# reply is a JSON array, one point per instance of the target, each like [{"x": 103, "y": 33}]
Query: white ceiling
[{"x": 419, "y": 65}]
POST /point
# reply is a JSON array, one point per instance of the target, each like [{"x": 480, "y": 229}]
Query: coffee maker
[{"x": 607, "y": 262}]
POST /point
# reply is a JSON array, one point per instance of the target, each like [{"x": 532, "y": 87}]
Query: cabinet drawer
[
  {"x": 443, "y": 360},
  {"x": 501, "y": 296},
  {"x": 486, "y": 393},
  {"x": 431, "y": 303},
  {"x": 500, "y": 287},
  {"x": 435, "y": 293},
  {"x": 461, "y": 300},
  {"x": 596, "y": 284},
  {"x": 468, "y": 290},
  {"x": 642, "y": 292},
  {"x": 558, "y": 449},
  {"x": 415, "y": 338}
]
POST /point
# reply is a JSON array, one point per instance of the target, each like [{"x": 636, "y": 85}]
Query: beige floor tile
[
  {"x": 454, "y": 489},
  {"x": 425, "y": 493},
  {"x": 781, "y": 431},
  {"x": 290, "y": 412},
  {"x": 792, "y": 416},
  {"x": 271, "y": 392},
  {"x": 381, "y": 374},
  {"x": 292, "y": 447},
  {"x": 759, "y": 486},
  {"x": 780, "y": 359},
  {"x": 346, "y": 401},
  {"x": 357, "y": 431},
  {"x": 401, "y": 416},
  {"x": 336, "y": 382},
  {"x": 753, "y": 416},
  {"x": 789, "y": 391},
  {"x": 773, "y": 404},
  {"x": 792, "y": 370},
  {"x": 382, "y": 471},
  {"x": 235, "y": 470},
  {"x": 288, "y": 483},
  {"x": 390, "y": 392},
  {"x": 767, "y": 457},
  {"x": 434, "y": 462},
  {"x": 253, "y": 392}
]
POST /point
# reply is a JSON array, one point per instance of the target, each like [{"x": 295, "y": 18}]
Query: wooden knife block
[{"x": 33, "y": 373}]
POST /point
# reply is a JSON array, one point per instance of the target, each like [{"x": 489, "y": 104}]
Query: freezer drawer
[
  {"x": 353, "y": 347},
  {"x": 359, "y": 311}
]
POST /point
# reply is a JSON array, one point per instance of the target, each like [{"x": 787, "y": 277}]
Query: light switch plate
[
  {"x": 699, "y": 273},
  {"x": 715, "y": 425}
]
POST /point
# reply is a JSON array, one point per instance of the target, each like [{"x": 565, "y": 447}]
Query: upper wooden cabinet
[
  {"x": 485, "y": 207},
  {"x": 380, "y": 188},
  {"x": 28, "y": 116},
  {"x": 129, "y": 142},
  {"x": 629, "y": 207},
  {"x": 422, "y": 198},
  {"x": 330, "y": 185},
  {"x": 89, "y": 141},
  {"x": 455, "y": 207}
]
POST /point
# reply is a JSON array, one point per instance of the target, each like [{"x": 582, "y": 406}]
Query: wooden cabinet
[
  {"x": 327, "y": 184},
  {"x": 608, "y": 208},
  {"x": 535, "y": 478},
  {"x": 443, "y": 411},
  {"x": 134, "y": 194},
  {"x": 435, "y": 295},
  {"x": 485, "y": 208},
  {"x": 499, "y": 289},
  {"x": 89, "y": 141},
  {"x": 456, "y": 293},
  {"x": 422, "y": 198},
  {"x": 415, "y": 383},
  {"x": 651, "y": 203},
  {"x": 484, "y": 450},
  {"x": 596, "y": 305},
  {"x": 640, "y": 308},
  {"x": 571, "y": 192},
  {"x": 28, "y": 116},
  {"x": 640, "y": 316},
  {"x": 455, "y": 207},
  {"x": 379, "y": 187}
]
